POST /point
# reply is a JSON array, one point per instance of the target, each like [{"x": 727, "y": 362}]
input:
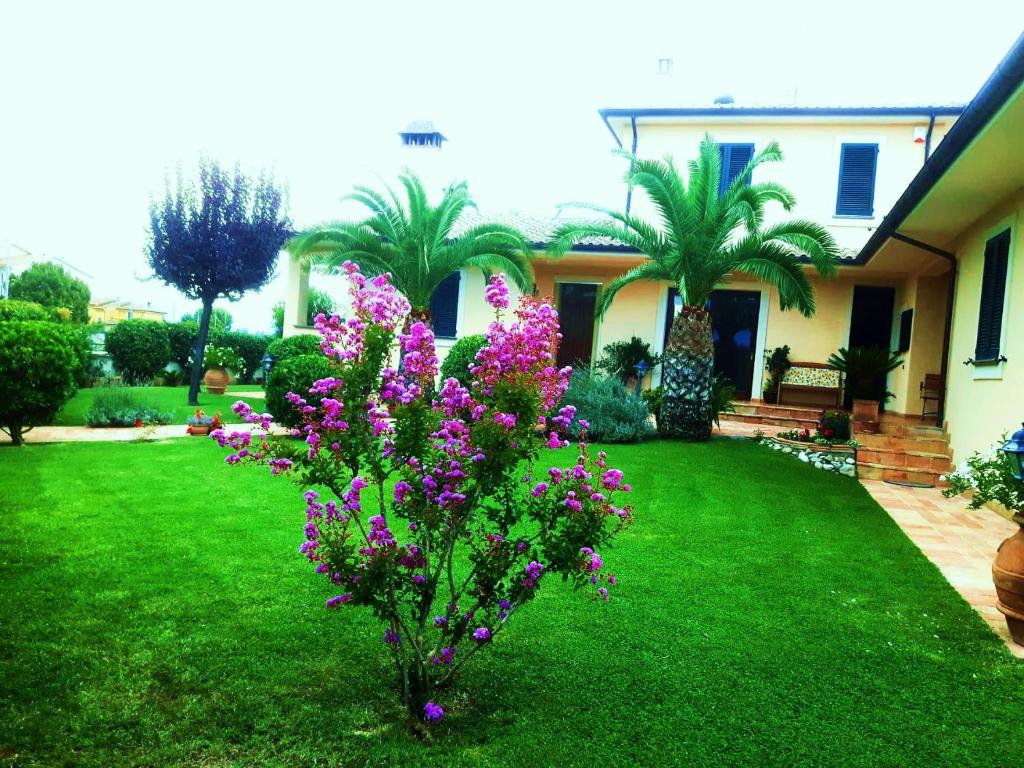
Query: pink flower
[{"x": 496, "y": 293}]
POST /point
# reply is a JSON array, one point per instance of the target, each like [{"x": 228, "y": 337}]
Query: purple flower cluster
[{"x": 496, "y": 293}]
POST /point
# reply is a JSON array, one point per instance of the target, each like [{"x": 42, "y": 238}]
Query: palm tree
[
  {"x": 414, "y": 241},
  {"x": 698, "y": 239}
]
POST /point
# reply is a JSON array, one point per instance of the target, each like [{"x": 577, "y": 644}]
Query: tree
[
  {"x": 217, "y": 240},
  {"x": 139, "y": 349},
  {"x": 220, "y": 319},
  {"x": 40, "y": 363},
  {"x": 50, "y": 285},
  {"x": 698, "y": 239},
  {"x": 416, "y": 243},
  {"x": 319, "y": 302}
]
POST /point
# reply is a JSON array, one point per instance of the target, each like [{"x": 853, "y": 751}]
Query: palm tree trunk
[{"x": 687, "y": 369}]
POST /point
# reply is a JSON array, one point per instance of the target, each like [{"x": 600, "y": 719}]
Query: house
[
  {"x": 878, "y": 177},
  {"x": 112, "y": 311}
]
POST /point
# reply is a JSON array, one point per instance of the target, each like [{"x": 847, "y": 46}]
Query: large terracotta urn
[
  {"x": 217, "y": 380},
  {"x": 1008, "y": 575}
]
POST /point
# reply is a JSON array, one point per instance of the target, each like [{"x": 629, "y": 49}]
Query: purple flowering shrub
[{"x": 437, "y": 518}]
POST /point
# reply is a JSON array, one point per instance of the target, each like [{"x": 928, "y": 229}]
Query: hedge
[
  {"x": 303, "y": 344},
  {"x": 139, "y": 349},
  {"x": 295, "y": 374}
]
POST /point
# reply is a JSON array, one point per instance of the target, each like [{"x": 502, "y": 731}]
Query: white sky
[{"x": 99, "y": 100}]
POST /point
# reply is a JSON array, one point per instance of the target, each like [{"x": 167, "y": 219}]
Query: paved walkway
[{"x": 112, "y": 434}]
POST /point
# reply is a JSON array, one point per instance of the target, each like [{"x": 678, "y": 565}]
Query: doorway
[
  {"x": 576, "y": 305},
  {"x": 734, "y": 325},
  {"x": 734, "y": 316},
  {"x": 871, "y": 317}
]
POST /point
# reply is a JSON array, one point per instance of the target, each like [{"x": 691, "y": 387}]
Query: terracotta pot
[
  {"x": 1008, "y": 575},
  {"x": 217, "y": 380},
  {"x": 865, "y": 416},
  {"x": 199, "y": 429}
]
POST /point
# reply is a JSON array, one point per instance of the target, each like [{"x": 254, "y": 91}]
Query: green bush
[
  {"x": 615, "y": 414},
  {"x": 52, "y": 286},
  {"x": 182, "y": 338},
  {"x": 139, "y": 349},
  {"x": 834, "y": 425},
  {"x": 16, "y": 309},
  {"x": 292, "y": 346},
  {"x": 295, "y": 374},
  {"x": 461, "y": 357},
  {"x": 39, "y": 366},
  {"x": 723, "y": 392},
  {"x": 250, "y": 346},
  {"x": 119, "y": 407},
  {"x": 620, "y": 358}
]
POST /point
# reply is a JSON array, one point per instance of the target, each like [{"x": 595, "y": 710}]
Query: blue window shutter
[
  {"x": 734, "y": 159},
  {"x": 993, "y": 294},
  {"x": 444, "y": 307},
  {"x": 857, "y": 166}
]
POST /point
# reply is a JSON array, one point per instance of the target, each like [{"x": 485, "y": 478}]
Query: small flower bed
[
  {"x": 119, "y": 407},
  {"x": 988, "y": 477}
]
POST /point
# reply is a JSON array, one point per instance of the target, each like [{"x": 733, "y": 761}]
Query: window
[
  {"x": 444, "y": 307},
  {"x": 993, "y": 295},
  {"x": 734, "y": 159},
  {"x": 906, "y": 326},
  {"x": 857, "y": 164}
]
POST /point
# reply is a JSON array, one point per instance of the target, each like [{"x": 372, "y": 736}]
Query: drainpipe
[
  {"x": 629, "y": 192},
  {"x": 948, "y": 324},
  {"x": 928, "y": 137}
]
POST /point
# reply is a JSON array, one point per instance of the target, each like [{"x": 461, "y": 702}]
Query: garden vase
[
  {"x": 217, "y": 380},
  {"x": 199, "y": 429},
  {"x": 1008, "y": 575}
]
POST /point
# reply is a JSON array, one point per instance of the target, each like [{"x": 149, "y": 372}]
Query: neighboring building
[
  {"x": 113, "y": 311},
  {"x": 847, "y": 166}
]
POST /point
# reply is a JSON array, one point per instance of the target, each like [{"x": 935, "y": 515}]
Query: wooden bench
[{"x": 807, "y": 378}]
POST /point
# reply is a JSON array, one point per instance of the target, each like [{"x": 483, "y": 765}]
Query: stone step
[
  {"x": 778, "y": 411},
  {"x": 873, "y": 471},
  {"x": 902, "y": 459},
  {"x": 775, "y": 422},
  {"x": 939, "y": 444}
]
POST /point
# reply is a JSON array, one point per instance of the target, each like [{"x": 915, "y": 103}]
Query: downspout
[
  {"x": 928, "y": 136},
  {"x": 629, "y": 191},
  {"x": 948, "y": 324}
]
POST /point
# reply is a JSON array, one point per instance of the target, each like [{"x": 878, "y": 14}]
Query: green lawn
[
  {"x": 156, "y": 612},
  {"x": 170, "y": 399}
]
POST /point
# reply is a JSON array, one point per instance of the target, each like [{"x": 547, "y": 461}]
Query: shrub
[
  {"x": 834, "y": 425},
  {"x": 16, "y": 309},
  {"x": 303, "y": 344},
  {"x": 454, "y": 472},
  {"x": 461, "y": 357},
  {"x": 223, "y": 357},
  {"x": 39, "y": 366},
  {"x": 778, "y": 364},
  {"x": 614, "y": 414},
  {"x": 250, "y": 346},
  {"x": 723, "y": 392},
  {"x": 171, "y": 378},
  {"x": 295, "y": 374},
  {"x": 182, "y": 338},
  {"x": 139, "y": 349},
  {"x": 621, "y": 358},
  {"x": 990, "y": 478},
  {"x": 866, "y": 371},
  {"x": 120, "y": 407},
  {"x": 50, "y": 285}
]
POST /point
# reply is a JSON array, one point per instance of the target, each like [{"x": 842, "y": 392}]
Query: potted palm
[
  {"x": 218, "y": 360},
  {"x": 697, "y": 239},
  {"x": 865, "y": 372}
]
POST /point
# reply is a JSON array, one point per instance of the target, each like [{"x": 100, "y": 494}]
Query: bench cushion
[{"x": 799, "y": 376}]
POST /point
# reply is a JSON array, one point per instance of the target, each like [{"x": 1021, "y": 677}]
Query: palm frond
[
  {"x": 649, "y": 270},
  {"x": 774, "y": 264}
]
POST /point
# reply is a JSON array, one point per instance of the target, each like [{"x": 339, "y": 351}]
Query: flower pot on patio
[
  {"x": 199, "y": 429},
  {"x": 217, "y": 380},
  {"x": 865, "y": 415},
  {"x": 1008, "y": 575}
]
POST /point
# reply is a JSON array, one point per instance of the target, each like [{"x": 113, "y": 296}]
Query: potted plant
[
  {"x": 653, "y": 397},
  {"x": 621, "y": 358},
  {"x": 865, "y": 373},
  {"x": 218, "y": 360},
  {"x": 201, "y": 424},
  {"x": 777, "y": 365},
  {"x": 990, "y": 477}
]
